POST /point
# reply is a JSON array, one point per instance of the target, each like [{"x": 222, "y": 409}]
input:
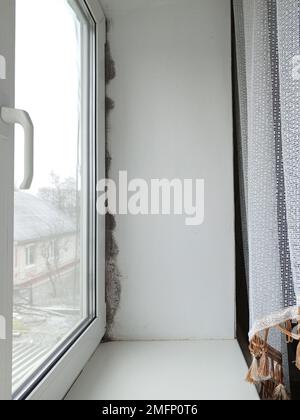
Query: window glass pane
[{"x": 51, "y": 276}]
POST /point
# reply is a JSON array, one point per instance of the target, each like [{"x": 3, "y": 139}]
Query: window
[
  {"x": 54, "y": 76},
  {"x": 30, "y": 255},
  {"x": 58, "y": 310},
  {"x": 52, "y": 79}
]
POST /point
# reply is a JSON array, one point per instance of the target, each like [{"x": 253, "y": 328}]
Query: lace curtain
[{"x": 268, "y": 57}]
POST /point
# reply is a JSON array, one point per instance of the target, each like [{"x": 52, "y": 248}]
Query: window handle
[{"x": 17, "y": 116}]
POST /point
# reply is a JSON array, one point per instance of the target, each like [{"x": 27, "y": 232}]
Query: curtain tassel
[
  {"x": 264, "y": 364},
  {"x": 264, "y": 367},
  {"x": 298, "y": 357},
  {"x": 298, "y": 348},
  {"x": 252, "y": 376},
  {"x": 256, "y": 352},
  {"x": 280, "y": 392}
]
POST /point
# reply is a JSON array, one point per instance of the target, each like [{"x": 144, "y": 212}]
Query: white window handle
[{"x": 17, "y": 116}]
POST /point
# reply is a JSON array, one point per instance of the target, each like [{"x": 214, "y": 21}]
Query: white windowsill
[{"x": 186, "y": 370}]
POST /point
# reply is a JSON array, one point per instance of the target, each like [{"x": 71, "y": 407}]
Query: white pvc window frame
[
  {"x": 57, "y": 382},
  {"x": 55, "y": 378},
  {"x": 7, "y": 86}
]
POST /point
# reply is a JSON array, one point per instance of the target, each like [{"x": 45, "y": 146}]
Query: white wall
[{"x": 173, "y": 119}]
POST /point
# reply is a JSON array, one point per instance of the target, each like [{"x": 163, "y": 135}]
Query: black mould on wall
[
  {"x": 110, "y": 68},
  {"x": 113, "y": 276},
  {"x": 109, "y": 106}
]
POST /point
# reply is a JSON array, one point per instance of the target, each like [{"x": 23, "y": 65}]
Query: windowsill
[{"x": 187, "y": 370}]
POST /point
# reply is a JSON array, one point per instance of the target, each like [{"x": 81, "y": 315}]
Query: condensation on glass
[{"x": 51, "y": 255}]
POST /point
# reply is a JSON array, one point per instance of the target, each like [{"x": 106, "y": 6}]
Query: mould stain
[
  {"x": 109, "y": 106},
  {"x": 113, "y": 275},
  {"x": 110, "y": 67}
]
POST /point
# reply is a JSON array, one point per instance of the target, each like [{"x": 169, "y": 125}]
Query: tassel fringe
[
  {"x": 266, "y": 369},
  {"x": 252, "y": 376},
  {"x": 280, "y": 393},
  {"x": 298, "y": 357},
  {"x": 298, "y": 348}
]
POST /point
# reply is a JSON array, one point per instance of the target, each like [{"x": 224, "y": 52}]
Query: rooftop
[{"x": 36, "y": 219}]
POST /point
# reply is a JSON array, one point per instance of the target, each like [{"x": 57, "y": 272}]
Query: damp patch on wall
[{"x": 113, "y": 275}]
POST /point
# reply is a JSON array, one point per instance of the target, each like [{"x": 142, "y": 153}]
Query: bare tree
[
  {"x": 51, "y": 251},
  {"x": 64, "y": 196}
]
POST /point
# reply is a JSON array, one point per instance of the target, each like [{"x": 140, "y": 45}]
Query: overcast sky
[{"x": 47, "y": 86}]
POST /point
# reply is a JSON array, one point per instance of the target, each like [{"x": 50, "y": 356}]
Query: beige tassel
[
  {"x": 252, "y": 376},
  {"x": 298, "y": 348},
  {"x": 280, "y": 393},
  {"x": 256, "y": 347},
  {"x": 298, "y": 357},
  {"x": 264, "y": 364},
  {"x": 264, "y": 367}
]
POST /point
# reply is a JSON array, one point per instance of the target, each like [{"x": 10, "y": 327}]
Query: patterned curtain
[{"x": 268, "y": 57}]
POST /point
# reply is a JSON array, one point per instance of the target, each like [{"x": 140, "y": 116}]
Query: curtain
[{"x": 268, "y": 57}]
